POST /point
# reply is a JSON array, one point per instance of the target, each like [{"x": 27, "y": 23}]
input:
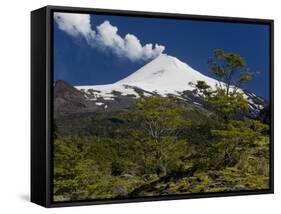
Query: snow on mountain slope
[
  {"x": 163, "y": 75},
  {"x": 166, "y": 74}
]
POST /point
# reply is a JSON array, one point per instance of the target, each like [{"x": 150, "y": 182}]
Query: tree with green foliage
[
  {"x": 235, "y": 138},
  {"x": 91, "y": 167},
  {"x": 226, "y": 105},
  {"x": 71, "y": 171},
  {"x": 231, "y": 71},
  {"x": 232, "y": 137},
  {"x": 161, "y": 119},
  {"x": 230, "y": 68}
]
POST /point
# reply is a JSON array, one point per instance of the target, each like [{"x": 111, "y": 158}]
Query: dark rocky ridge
[{"x": 75, "y": 110}]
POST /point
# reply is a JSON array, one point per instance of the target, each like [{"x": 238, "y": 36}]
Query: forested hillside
[{"x": 163, "y": 145}]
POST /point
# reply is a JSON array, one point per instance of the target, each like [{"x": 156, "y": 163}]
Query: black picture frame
[{"x": 41, "y": 103}]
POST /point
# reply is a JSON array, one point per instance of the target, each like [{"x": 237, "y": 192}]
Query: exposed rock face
[{"x": 68, "y": 99}]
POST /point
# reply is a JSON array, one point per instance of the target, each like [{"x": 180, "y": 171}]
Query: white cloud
[
  {"x": 74, "y": 24},
  {"x": 106, "y": 37}
]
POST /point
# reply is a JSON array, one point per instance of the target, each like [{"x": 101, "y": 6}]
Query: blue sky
[{"x": 81, "y": 62}]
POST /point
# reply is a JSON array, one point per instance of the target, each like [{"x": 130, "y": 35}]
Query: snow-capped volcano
[
  {"x": 166, "y": 74},
  {"x": 163, "y": 75}
]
